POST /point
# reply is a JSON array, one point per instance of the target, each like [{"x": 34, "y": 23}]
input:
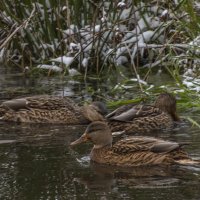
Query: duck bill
[{"x": 82, "y": 139}]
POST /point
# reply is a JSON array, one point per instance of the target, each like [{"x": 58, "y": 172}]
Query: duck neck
[
  {"x": 98, "y": 153},
  {"x": 91, "y": 114},
  {"x": 170, "y": 111},
  {"x": 175, "y": 116},
  {"x": 99, "y": 146}
]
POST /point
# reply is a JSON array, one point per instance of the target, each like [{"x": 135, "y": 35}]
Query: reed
[{"x": 95, "y": 36}]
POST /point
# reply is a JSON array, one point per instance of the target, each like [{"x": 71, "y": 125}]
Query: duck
[
  {"x": 50, "y": 109},
  {"x": 132, "y": 151},
  {"x": 131, "y": 119}
]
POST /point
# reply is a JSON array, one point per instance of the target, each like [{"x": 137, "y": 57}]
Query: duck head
[
  {"x": 95, "y": 111},
  {"x": 167, "y": 103},
  {"x": 98, "y": 133},
  {"x": 100, "y": 107}
]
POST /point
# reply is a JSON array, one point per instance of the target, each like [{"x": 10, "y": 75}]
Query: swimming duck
[
  {"x": 132, "y": 151},
  {"x": 50, "y": 109},
  {"x": 145, "y": 118}
]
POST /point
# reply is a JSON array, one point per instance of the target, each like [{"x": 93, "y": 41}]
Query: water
[{"x": 36, "y": 161}]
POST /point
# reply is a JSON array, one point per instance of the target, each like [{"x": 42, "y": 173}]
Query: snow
[
  {"x": 125, "y": 13},
  {"x": 73, "y": 72},
  {"x": 69, "y": 31},
  {"x": 121, "y": 60},
  {"x": 85, "y": 62},
  {"x": 164, "y": 13},
  {"x": 2, "y": 55},
  {"x": 64, "y": 59},
  {"x": 121, "y": 4},
  {"x": 50, "y": 67}
]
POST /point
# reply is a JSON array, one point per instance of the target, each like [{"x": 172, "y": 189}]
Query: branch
[{"x": 23, "y": 25}]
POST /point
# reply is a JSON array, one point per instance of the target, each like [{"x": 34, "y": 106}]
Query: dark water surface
[{"x": 37, "y": 163}]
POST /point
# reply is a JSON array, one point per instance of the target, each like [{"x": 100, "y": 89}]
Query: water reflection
[
  {"x": 33, "y": 166},
  {"x": 136, "y": 183},
  {"x": 106, "y": 177},
  {"x": 38, "y": 164}
]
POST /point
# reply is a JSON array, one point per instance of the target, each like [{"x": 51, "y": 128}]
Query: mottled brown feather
[
  {"x": 49, "y": 109},
  {"x": 132, "y": 151},
  {"x": 145, "y": 118}
]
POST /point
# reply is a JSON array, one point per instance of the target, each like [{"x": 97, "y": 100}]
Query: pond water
[{"x": 37, "y": 163}]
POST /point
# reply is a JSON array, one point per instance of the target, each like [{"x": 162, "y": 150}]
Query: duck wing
[
  {"x": 137, "y": 144},
  {"x": 40, "y": 102},
  {"x": 134, "y": 112},
  {"x": 120, "y": 110}
]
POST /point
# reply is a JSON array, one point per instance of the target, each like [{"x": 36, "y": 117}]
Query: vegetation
[
  {"x": 101, "y": 33},
  {"x": 100, "y": 37}
]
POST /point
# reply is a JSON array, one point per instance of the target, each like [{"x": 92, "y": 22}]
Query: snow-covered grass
[{"x": 91, "y": 37}]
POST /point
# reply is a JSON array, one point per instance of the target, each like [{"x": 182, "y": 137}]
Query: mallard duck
[
  {"x": 145, "y": 118},
  {"x": 132, "y": 151},
  {"x": 50, "y": 109}
]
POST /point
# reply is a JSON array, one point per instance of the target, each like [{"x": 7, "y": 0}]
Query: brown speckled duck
[
  {"x": 145, "y": 118},
  {"x": 132, "y": 151},
  {"x": 50, "y": 109}
]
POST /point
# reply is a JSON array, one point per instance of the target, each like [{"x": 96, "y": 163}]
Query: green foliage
[
  {"x": 194, "y": 123},
  {"x": 113, "y": 104},
  {"x": 193, "y": 21}
]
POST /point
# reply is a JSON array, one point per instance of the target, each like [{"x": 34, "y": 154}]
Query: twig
[
  {"x": 149, "y": 46},
  {"x": 134, "y": 68},
  {"x": 23, "y": 25}
]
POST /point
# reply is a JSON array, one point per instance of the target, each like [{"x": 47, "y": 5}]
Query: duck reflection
[{"x": 106, "y": 178}]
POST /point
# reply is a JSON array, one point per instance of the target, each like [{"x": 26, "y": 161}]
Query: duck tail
[{"x": 188, "y": 162}]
